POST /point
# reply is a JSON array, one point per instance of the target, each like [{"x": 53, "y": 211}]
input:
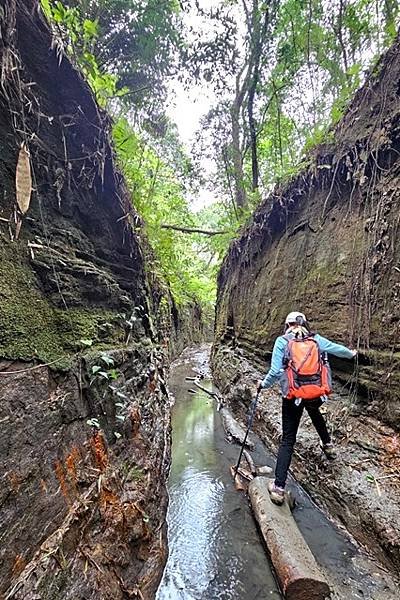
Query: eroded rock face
[
  {"x": 81, "y": 505},
  {"x": 328, "y": 244},
  {"x": 84, "y": 441}
]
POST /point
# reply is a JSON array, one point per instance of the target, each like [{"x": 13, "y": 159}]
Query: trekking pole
[{"x": 250, "y": 422}]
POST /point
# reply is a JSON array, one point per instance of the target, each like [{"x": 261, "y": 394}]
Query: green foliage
[
  {"x": 318, "y": 68},
  {"x": 80, "y": 35},
  {"x": 317, "y": 56},
  {"x": 138, "y": 42},
  {"x": 156, "y": 183},
  {"x": 322, "y": 134},
  {"x": 104, "y": 372},
  {"x": 127, "y": 49},
  {"x": 159, "y": 198}
]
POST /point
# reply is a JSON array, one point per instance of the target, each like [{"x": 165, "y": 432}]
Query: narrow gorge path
[
  {"x": 214, "y": 547},
  {"x": 215, "y": 550}
]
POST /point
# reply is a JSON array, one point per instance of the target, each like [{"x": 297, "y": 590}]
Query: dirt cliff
[
  {"x": 84, "y": 412},
  {"x": 327, "y": 243}
]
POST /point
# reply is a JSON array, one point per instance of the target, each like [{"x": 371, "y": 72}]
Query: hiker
[{"x": 299, "y": 360}]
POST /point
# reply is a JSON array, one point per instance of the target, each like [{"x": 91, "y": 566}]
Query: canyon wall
[
  {"x": 84, "y": 342},
  {"x": 327, "y": 243}
]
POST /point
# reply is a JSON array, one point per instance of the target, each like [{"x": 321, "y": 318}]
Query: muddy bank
[
  {"x": 215, "y": 548},
  {"x": 85, "y": 438},
  {"x": 344, "y": 488}
]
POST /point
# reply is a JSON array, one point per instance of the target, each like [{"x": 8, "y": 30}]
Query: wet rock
[
  {"x": 84, "y": 457},
  {"x": 345, "y": 487},
  {"x": 307, "y": 248},
  {"x": 327, "y": 243},
  {"x": 265, "y": 470}
]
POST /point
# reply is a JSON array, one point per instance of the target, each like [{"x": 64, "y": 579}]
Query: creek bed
[{"x": 215, "y": 549}]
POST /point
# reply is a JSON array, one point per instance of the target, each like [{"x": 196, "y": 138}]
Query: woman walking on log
[{"x": 299, "y": 360}]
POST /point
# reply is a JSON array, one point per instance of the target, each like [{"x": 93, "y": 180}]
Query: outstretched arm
[
  {"x": 333, "y": 348},
  {"x": 276, "y": 363}
]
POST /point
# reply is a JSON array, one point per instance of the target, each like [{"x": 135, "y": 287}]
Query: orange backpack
[{"x": 307, "y": 373}]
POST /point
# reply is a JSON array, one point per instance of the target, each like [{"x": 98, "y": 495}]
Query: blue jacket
[{"x": 278, "y": 353}]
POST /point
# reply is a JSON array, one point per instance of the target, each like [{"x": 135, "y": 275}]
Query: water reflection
[{"x": 214, "y": 549}]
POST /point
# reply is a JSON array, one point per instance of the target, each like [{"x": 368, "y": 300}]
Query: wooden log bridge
[{"x": 299, "y": 576}]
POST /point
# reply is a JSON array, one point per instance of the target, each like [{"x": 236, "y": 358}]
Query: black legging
[{"x": 291, "y": 416}]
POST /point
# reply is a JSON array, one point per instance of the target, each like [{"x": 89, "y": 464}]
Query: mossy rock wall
[
  {"x": 327, "y": 243},
  {"x": 85, "y": 440}
]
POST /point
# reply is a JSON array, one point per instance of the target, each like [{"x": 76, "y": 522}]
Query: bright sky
[
  {"x": 186, "y": 110},
  {"x": 187, "y": 107}
]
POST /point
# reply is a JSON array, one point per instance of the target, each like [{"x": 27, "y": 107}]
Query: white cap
[{"x": 292, "y": 317}]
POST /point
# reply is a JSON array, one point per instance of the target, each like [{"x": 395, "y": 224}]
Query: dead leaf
[
  {"x": 239, "y": 482},
  {"x": 23, "y": 180}
]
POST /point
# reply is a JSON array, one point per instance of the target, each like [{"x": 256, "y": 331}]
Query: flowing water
[{"x": 215, "y": 549}]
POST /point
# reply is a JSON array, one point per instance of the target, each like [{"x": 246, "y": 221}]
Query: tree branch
[{"x": 193, "y": 230}]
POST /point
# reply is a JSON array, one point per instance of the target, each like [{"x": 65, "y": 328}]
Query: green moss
[
  {"x": 52, "y": 585},
  {"x": 316, "y": 277},
  {"x": 32, "y": 327},
  {"x": 132, "y": 471}
]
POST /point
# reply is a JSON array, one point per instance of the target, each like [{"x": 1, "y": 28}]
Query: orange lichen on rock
[
  {"x": 99, "y": 450},
  {"x": 107, "y": 497},
  {"x": 15, "y": 480},
  {"x": 60, "y": 474},
  {"x": 136, "y": 418},
  {"x": 112, "y": 509},
  {"x": 19, "y": 565},
  {"x": 71, "y": 463}
]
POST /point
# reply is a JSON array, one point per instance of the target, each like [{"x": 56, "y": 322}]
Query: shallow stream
[{"x": 214, "y": 547}]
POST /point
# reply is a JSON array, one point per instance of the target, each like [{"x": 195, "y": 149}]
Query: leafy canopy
[
  {"x": 282, "y": 73},
  {"x": 159, "y": 198}
]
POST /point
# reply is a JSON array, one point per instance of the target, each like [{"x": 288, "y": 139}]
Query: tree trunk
[
  {"x": 237, "y": 158},
  {"x": 299, "y": 575}
]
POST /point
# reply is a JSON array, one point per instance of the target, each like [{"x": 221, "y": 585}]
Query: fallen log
[
  {"x": 241, "y": 479},
  {"x": 214, "y": 395},
  {"x": 299, "y": 576},
  {"x": 264, "y": 470},
  {"x": 204, "y": 389},
  {"x": 233, "y": 429}
]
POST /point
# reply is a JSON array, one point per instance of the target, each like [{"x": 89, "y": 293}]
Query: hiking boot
[
  {"x": 276, "y": 493},
  {"x": 328, "y": 450}
]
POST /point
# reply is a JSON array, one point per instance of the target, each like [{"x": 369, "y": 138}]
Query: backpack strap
[{"x": 286, "y": 351}]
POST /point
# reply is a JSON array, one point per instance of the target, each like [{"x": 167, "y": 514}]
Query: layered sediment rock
[
  {"x": 327, "y": 243},
  {"x": 84, "y": 412}
]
